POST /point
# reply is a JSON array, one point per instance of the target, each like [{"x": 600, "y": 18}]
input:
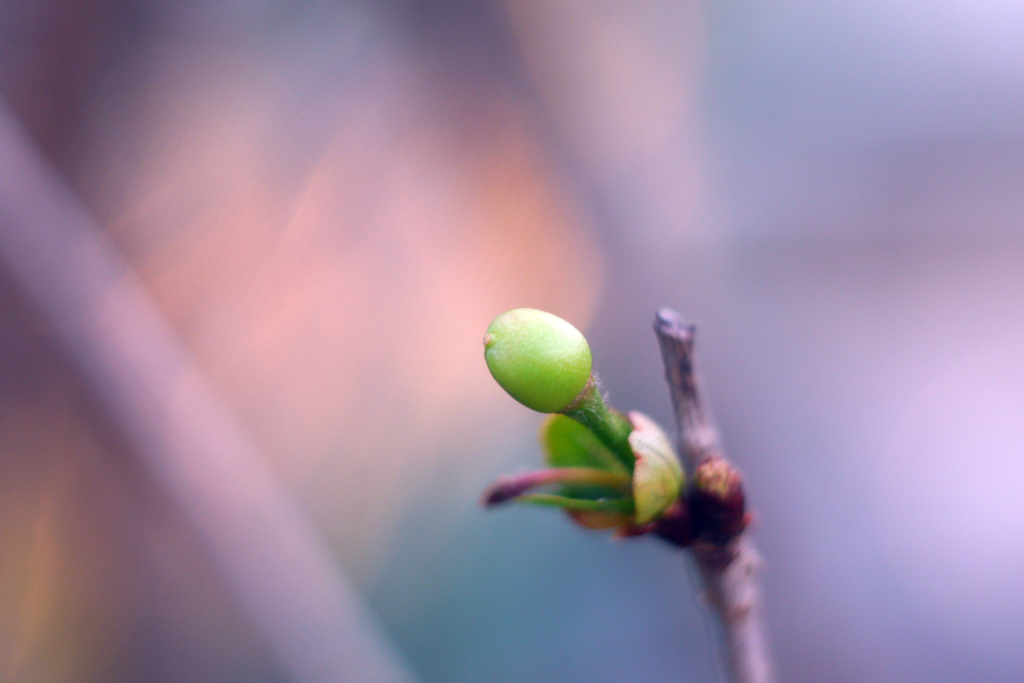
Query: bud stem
[{"x": 607, "y": 424}]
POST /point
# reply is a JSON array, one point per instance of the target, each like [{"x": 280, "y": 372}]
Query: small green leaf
[
  {"x": 657, "y": 475},
  {"x": 620, "y": 505},
  {"x": 574, "y": 482},
  {"x": 567, "y": 443}
]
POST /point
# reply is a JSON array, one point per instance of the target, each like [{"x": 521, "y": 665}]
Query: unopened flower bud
[{"x": 539, "y": 359}]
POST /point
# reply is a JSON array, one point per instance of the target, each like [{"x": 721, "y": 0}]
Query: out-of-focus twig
[
  {"x": 728, "y": 570},
  {"x": 265, "y": 548}
]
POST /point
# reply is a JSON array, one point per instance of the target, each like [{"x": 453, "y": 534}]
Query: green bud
[{"x": 539, "y": 359}]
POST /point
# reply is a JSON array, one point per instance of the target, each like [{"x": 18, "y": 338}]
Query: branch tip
[
  {"x": 669, "y": 323},
  {"x": 727, "y": 560}
]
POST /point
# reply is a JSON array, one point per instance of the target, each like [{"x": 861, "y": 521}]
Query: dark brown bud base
[{"x": 714, "y": 511}]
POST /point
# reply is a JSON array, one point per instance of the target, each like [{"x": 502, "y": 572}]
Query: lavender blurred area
[{"x": 329, "y": 201}]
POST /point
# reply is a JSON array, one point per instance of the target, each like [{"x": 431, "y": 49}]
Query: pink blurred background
[{"x": 328, "y": 202}]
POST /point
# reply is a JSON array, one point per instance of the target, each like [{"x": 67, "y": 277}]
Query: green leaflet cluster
[{"x": 607, "y": 470}]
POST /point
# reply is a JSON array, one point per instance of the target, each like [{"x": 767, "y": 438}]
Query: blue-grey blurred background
[{"x": 329, "y": 201}]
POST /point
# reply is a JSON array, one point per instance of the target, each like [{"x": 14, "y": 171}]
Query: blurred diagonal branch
[
  {"x": 729, "y": 570},
  {"x": 265, "y": 548}
]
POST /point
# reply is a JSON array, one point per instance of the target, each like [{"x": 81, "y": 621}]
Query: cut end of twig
[
  {"x": 670, "y": 323},
  {"x": 697, "y": 437}
]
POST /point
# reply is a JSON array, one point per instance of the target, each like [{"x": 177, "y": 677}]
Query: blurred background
[{"x": 329, "y": 201}]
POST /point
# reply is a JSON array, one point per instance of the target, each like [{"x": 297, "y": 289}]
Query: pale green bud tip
[{"x": 539, "y": 359}]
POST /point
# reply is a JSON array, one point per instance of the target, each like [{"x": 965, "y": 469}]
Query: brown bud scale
[{"x": 717, "y": 502}]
